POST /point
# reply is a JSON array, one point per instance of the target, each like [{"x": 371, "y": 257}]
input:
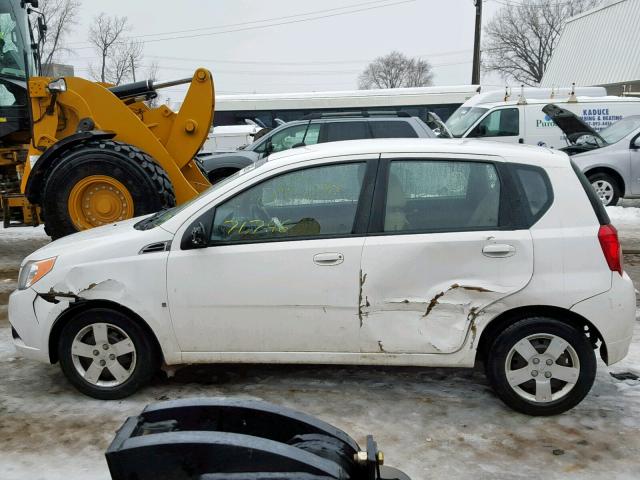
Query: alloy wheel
[
  {"x": 604, "y": 190},
  {"x": 103, "y": 354},
  {"x": 542, "y": 368}
]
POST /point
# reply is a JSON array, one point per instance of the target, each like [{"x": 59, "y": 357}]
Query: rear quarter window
[{"x": 535, "y": 191}]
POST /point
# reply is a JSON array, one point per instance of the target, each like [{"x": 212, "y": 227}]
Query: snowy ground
[{"x": 433, "y": 423}]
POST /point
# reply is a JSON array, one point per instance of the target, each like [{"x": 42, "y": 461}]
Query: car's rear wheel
[
  {"x": 606, "y": 187},
  {"x": 106, "y": 355},
  {"x": 541, "y": 366}
]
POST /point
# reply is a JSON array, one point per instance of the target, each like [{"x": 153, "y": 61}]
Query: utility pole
[
  {"x": 133, "y": 69},
  {"x": 475, "y": 75}
]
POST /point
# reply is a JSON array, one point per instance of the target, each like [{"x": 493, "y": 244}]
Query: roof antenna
[
  {"x": 553, "y": 92},
  {"x": 572, "y": 95},
  {"x": 507, "y": 94},
  {"x": 521, "y": 99}
]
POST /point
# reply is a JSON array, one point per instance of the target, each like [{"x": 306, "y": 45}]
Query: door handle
[
  {"x": 326, "y": 259},
  {"x": 498, "y": 250}
]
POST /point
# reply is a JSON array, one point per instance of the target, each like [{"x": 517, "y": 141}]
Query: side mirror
[
  {"x": 199, "y": 236},
  {"x": 42, "y": 27},
  {"x": 268, "y": 148},
  {"x": 636, "y": 144}
]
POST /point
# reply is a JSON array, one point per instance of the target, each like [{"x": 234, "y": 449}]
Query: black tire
[
  {"x": 146, "y": 181},
  {"x": 147, "y": 358},
  {"x": 507, "y": 339},
  {"x": 615, "y": 186}
]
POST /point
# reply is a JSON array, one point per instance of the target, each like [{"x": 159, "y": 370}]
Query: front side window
[
  {"x": 287, "y": 138},
  {"x": 314, "y": 202},
  {"x": 435, "y": 195},
  {"x": 499, "y": 123}
]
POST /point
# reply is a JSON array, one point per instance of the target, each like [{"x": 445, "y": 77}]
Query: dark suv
[{"x": 315, "y": 129}]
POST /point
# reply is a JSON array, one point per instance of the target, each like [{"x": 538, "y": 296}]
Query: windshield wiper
[{"x": 146, "y": 223}]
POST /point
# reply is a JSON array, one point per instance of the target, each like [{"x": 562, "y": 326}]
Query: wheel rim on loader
[{"x": 98, "y": 200}]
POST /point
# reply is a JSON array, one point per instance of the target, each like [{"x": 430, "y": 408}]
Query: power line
[
  {"x": 256, "y": 62},
  {"x": 229, "y": 25},
  {"x": 256, "y": 27}
]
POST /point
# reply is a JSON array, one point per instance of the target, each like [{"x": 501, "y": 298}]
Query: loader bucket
[{"x": 211, "y": 439}]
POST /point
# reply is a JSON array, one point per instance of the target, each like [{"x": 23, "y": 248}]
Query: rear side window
[
  {"x": 337, "y": 131},
  {"x": 441, "y": 195},
  {"x": 598, "y": 208},
  {"x": 536, "y": 191},
  {"x": 397, "y": 129}
]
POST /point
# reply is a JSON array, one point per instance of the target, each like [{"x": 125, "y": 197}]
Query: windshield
[
  {"x": 617, "y": 131},
  {"x": 463, "y": 118},
  {"x": 14, "y": 41},
  {"x": 164, "y": 215}
]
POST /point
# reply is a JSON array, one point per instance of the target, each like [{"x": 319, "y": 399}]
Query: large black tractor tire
[{"x": 128, "y": 182}]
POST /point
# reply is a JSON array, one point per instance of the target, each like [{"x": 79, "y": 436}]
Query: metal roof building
[{"x": 600, "y": 47}]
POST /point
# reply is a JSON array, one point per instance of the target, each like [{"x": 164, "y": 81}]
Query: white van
[
  {"x": 522, "y": 120},
  {"x": 229, "y": 138}
]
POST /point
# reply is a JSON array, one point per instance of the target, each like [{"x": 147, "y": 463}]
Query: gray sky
[{"x": 303, "y": 52}]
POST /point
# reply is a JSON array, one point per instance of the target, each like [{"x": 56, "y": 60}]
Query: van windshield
[
  {"x": 463, "y": 118},
  {"x": 617, "y": 131}
]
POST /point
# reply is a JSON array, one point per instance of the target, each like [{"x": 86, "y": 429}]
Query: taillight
[{"x": 608, "y": 237}]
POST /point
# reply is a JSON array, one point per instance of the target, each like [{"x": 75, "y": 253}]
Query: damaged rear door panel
[{"x": 438, "y": 255}]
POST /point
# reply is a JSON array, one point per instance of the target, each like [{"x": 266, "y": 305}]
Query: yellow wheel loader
[{"x": 77, "y": 154}]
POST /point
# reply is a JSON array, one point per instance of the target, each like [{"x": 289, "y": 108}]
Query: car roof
[
  {"x": 517, "y": 153},
  {"x": 545, "y": 101},
  {"x": 347, "y": 118}
]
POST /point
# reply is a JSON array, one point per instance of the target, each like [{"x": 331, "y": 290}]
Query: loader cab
[{"x": 17, "y": 63}]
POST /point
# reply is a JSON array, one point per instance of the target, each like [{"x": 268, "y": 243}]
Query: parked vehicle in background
[
  {"x": 317, "y": 128},
  {"x": 385, "y": 252},
  {"x": 266, "y": 108},
  {"x": 610, "y": 158},
  {"x": 228, "y": 139},
  {"x": 523, "y": 121}
]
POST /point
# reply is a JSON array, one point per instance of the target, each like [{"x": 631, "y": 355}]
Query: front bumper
[
  {"x": 613, "y": 313},
  {"x": 26, "y": 314}
]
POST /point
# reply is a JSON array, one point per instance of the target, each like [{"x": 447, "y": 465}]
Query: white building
[{"x": 600, "y": 47}]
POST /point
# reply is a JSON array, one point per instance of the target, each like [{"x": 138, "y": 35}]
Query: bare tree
[
  {"x": 396, "y": 70},
  {"x": 60, "y": 16},
  {"x": 119, "y": 56},
  {"x": 521, "y": 37}
]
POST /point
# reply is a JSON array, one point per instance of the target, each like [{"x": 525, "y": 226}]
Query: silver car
[{"x": 610, "y": 158}]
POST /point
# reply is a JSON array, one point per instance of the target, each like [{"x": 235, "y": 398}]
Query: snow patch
[
  {"x": 22, "y": 233},
  {"x": 624, "y": 215}
]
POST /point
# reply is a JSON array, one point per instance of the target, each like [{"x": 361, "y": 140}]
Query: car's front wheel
[
  {"x": 105, "y": 354},
  {"x": 541, "y": 366}
]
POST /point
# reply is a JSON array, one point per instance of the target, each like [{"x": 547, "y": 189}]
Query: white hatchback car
[{"x": 389, "y": 252}]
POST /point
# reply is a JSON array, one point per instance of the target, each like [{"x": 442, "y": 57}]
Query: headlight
[{"x": 34, "y": 271}]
